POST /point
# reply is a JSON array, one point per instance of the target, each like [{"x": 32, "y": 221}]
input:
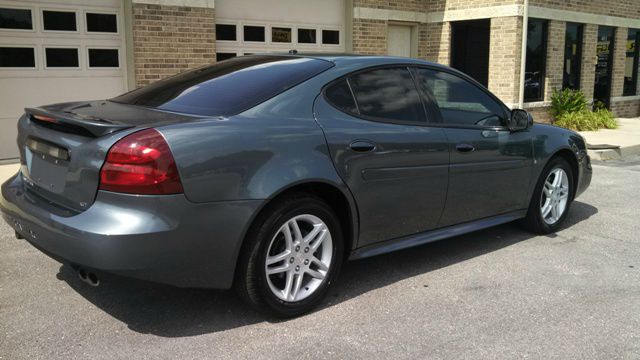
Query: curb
[{"x": 614, "y": 154}]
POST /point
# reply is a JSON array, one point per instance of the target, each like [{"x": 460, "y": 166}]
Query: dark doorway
[
  {"x": 602, "y": 88},
  {"x": 470, "y": 48}
]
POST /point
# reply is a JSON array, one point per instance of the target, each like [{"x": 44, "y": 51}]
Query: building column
[
  {"x": 170, "y": 39},
  {"x": 619, "y": 62},
  {"x": 555, "y": 57},
  {"x": 435, "y": 42},
  {"x": 504, "y": 58},
  {"x": 589, "y": 59}
]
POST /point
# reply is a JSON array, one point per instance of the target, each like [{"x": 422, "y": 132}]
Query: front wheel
[
  {"x": 292, "y": 255},
  {"x": 551, "y": 199}
]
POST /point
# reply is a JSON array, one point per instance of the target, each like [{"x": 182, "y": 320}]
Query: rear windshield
[{"x": 228, "y": 87}]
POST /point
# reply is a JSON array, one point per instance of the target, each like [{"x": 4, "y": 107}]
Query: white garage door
[
  {"x": 248, "y": 26},
  {"x": 55, "y": 51}
]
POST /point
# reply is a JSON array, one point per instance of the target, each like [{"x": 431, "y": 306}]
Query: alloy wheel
[
  {"x": 555, "y": 196},
  {"x": 298, "y": 258}
]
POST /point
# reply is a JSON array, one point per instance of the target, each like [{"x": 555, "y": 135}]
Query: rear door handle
[
  {"x": 362, "y": 146},
  {"x": 465, "y": 148}
]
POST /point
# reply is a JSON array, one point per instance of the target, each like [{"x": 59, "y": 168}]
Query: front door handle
[
  {"x": 465, "y": 148},
  {"x": 362, "y": 146}
]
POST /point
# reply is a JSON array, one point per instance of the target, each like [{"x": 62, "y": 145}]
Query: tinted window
[
  {"x": 225, "y": 32},
  {"x": 460, "y": 102},
  {"x": 536, "y": 61},
  {"x": 307, "y": 36},
  {"x": 279, "y": 34},
  {"x": 59, "y": 20},
  {"x": 572, "y": 56},
  {"x": 228, "y": 87},
  {"x": 17, "y": 57},
  {"x": 15, "y": 19},
  {"x": 102, "y": 23},
  {"x": 59, "y": 57},
  {"x": 254, "y": 33},
  {"x": 331, "y": 37},
  {"x": 224, "y": 56},
  {"x": 339, "y": 95},
  {"x": 388, "y": 94},
  {"x": 103, "y": 58},
  {"x": 631, "y": 65}
]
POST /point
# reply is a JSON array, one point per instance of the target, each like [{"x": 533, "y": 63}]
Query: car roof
[{"x": 346, "y": 58}]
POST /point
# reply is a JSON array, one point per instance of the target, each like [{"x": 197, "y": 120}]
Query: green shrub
[
  {"x": 567, "y": 101},
  {"x": 586, "y": 120}
]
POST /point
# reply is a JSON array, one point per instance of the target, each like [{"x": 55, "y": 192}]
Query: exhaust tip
[{"x": 88, "y": 277}]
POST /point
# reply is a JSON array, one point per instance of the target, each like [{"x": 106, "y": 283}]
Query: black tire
[
  {"x": 251, "y": 279},
  {"x": 534, "y": 221}
]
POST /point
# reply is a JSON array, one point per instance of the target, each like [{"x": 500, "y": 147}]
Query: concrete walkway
[
  {"x": 624, "y": 141},
  {"x": 7, "y": 171}
]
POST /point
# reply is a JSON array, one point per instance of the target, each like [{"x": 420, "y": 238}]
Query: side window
[
  {"x": 387, "y": 94},
  {"x": 339, "y": 96},
  {"x": 460, "y": 102}
]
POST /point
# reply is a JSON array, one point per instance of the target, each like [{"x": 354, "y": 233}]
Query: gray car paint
[{"x": 231, "y": 168}]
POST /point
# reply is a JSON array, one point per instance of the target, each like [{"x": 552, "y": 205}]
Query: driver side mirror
[{"x": 520, "y": 120}]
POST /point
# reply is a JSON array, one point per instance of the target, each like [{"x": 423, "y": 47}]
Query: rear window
[{"x": 226, "y": 88}]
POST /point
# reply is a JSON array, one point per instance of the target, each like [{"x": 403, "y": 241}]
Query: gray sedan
[{"x": 264, "y": 173}]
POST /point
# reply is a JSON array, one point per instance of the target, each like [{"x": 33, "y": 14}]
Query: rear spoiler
[{"x": 75, "y": 122}]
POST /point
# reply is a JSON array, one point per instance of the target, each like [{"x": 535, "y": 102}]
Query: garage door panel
[{"x": 104, "y": 46}]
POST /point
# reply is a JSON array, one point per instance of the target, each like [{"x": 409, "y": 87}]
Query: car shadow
[{"x": 172, "y": 312}]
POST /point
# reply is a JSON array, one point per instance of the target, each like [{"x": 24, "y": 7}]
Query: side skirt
[{"x": 435, "y": 235}]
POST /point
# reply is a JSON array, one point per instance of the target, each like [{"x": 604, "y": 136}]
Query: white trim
[
  {"x": 625, "y": 98},
  {"x": 189, "y": 3},
  {"x": 476, "y": 13},
  {"x": 394, "y": 15},
  {"x": 580, "y": 17},
  {"x": 536, "y": 104}
]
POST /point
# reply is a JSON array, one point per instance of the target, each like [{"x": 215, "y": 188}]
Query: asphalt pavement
[{"x": 498, "y": 293}]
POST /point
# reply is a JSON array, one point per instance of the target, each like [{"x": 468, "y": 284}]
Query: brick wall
[
  {"x": 504, "y": 58},
  {"x": 435, "y": 42},
  {"x": 587, "y": 74},
  {"x": 369, "y": 37},
  {"x": 555, "y": 57},
  {"x": 629, "y": 108},
  {"x": 171, "y": 39}
]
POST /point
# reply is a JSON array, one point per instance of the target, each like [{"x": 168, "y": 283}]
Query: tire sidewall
[{"x": 272, "y": 224}]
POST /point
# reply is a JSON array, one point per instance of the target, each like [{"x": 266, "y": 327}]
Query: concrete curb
[{"x": 614, "y": 154}]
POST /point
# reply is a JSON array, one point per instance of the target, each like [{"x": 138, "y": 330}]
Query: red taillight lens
[{"x": 141, "y": 163}]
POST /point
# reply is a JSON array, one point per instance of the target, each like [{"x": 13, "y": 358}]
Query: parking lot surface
[{"x": 497, "y": 293}]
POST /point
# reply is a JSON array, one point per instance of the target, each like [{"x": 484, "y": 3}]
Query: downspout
[{"x": 523, "y": 52}]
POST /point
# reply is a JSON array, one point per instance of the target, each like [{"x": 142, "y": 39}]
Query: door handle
[
  {"x": 362, "y": 146},
  {"x": 465, "y": 148}
]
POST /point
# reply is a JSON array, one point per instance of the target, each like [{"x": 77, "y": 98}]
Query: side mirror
[{"x": 520, "y": 120}]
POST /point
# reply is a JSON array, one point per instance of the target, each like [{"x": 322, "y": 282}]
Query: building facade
[{"x": 63, "y": 50}]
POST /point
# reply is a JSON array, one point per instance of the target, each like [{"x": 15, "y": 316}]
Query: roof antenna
[{"x": 293, "y": 52}]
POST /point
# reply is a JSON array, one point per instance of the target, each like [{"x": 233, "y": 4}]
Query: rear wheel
[
  {"x": 291, "y": 257},
  {"x": 552, "y": 198}
]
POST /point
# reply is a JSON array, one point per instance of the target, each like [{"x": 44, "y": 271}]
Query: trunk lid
[{"x": 63, "y": 146}]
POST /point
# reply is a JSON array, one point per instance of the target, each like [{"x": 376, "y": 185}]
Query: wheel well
[
  {"x": 573, "y": 162},
  {"x": 334, "y": 198}
]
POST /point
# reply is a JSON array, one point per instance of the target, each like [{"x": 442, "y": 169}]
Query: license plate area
[{"x": 47, "y": 164}]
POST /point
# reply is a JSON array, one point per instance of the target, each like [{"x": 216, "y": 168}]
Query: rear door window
[
  {"x": 226, "y": 88},
  {"x": 388, "y": 94}
]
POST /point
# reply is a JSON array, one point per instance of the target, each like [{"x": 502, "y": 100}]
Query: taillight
[{"x": 141, "y": 163}]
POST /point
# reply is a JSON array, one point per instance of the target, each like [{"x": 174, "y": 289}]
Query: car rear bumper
[{"x": 165, "y": 239}]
